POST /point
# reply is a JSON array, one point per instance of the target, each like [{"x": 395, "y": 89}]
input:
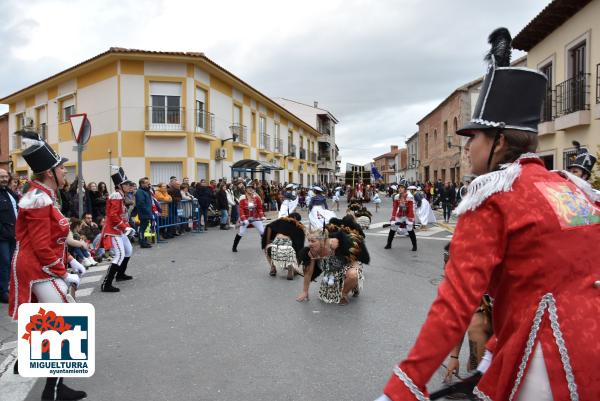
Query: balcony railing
[
  {"x": 166, "y": 118},
  {"x": 598, "y": 84},
  {"x": 549, "y": 106},
  {"x": 264, "y": 141},
  {"x": 313, "y": 157},
  {"x": 278, "y": 145},
  {"x": 241, "y": 131},
  {"x": 205, "y": 122},
  {"x": 303, "y": 153},
  {"x": 325, "y": 156},
  {"x": 292, "y": 150},
  {"x": 42, "y": 131},
  {"x": 573, "y": 95}
]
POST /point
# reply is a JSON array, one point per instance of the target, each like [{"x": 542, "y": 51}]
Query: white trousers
[
  {"x": 258, "y": 224},
  {"x": 122, "y": 249},
  {"x": 536, "y": 386},
  {"x": 52, "y": 291}
]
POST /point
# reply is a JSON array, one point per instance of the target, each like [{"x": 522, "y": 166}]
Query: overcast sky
[{"x": 378, "y": 65}]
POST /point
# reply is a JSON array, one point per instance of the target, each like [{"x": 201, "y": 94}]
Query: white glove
[
  {"x": 129, "y": 231},
  {"x": 246, "y": 223},
  {"x": 263, "y": 218},
  {"x": 72, "y": 279},
  {"x": 409, "y": 226},
  {"x": 77, "y": 267}
]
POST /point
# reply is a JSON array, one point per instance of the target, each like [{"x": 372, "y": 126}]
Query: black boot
[
  {"x": 121, "y": 276},
  {"x": 413, "y": 239},
  {"x": 56, "y": 390},
  {"x": 236, "y": 241},
  {"x": 108, "y": 279},
  {"x": 16, "y": 367},
  {"x": 390, "y": 239}
]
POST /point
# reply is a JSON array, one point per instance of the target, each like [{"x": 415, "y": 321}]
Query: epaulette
[
  {"x": 35, "y": 199},
  {"x": 115, "y": 195}
]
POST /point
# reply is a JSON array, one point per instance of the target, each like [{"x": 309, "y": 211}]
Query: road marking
[
  {"x": 446, "y": 238},
  {"x": 98, "y": 268},
  {"x": 14, "y": 387},
  {"x": 91, "y": 279},
  {"x": 84, "y": 292}
]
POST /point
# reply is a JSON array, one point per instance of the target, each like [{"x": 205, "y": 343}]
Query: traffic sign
[{"x": 80, "y": 128}]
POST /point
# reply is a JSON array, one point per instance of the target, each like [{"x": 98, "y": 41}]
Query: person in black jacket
[
  {"x": 448, "y": 198},
  {"x": 8, "y": 218},
  {"x": 143, "y": 204},
  {"x": 205, "y": 196},
  {"x": 223, "y": 205}
]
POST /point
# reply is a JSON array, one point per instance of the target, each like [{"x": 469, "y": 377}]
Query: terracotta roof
[
  {"x": 551, "y": 17},
  {"x": 197, "y": 55}
]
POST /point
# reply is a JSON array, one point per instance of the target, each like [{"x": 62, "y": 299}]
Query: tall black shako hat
[
  {"x": 510, "y": 97},
  {"x": 118, "y": 176},
  {"x": 584, "y": 159},
  {"x": 38, "y": 154}
]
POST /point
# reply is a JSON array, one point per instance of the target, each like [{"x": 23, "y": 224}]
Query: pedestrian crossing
[{"x": 90, "y": 281}]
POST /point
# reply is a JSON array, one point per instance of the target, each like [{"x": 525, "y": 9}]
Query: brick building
[{"x": 386, "y": 164}]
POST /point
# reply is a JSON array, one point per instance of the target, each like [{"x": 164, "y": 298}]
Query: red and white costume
[
  {"x": 114, "y": 233},
  {"x": 529, "y": 238},
  {"x": 403, "y": 212},
  {"x": 41, "y": 255},
  {"x": 251, "y": 212}
]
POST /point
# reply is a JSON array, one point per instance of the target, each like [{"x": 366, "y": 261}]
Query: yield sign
[{"x": 81, "y": 128}]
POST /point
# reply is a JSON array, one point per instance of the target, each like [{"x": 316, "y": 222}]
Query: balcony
[
  {"x": 264, "y": 142},
  {"x": 205, "y": 122},
  {"x": 165, "y": 118},
  {"x": 303, "y": 153},
  {"x": 546, "y": 125},
  {"x": 278, "y": 145},
  {"x": 292, "y": 151},
  {"x": 240, "y": 131},
  {"x": 573, "y": 102}
]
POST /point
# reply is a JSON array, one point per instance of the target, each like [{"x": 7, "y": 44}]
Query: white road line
[
  {"x": 418, "y": 236},
  {"x": 84, "y": 292},
  {"x": 91, "y": 279},
  {"x": 98, "y": 268},
  {"x": 8, "y": 345},
  {"x": 14, "y": 387}
]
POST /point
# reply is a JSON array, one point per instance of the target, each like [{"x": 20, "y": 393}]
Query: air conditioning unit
[
  {"x": 221, "y": 154},
  {"x": 28, "y": 122},
  {"x": 274, "y": 162}
]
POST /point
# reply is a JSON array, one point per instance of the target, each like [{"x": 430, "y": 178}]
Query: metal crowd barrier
[{"x": 183, "y": 213}]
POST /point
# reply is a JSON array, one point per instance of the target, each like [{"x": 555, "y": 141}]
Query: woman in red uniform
[
  {"x": 116, "y": 232},
  {"x": 251, "y": 212},
  {"x": 403, "y": 216},
  {"x": 40, "y": 262},
  {"x": 526, "y": 236}
]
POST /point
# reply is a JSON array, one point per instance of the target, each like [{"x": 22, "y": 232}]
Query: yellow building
[
  {"x": 563, "y": 41},
  {"x": 162, "y": 114}
]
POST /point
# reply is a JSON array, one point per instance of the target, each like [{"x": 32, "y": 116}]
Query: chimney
[{"x": 316, "y": 104}]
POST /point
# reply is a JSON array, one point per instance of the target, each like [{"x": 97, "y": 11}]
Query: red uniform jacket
[
  {"x": 403, "y": 208},
  {"x": 528, "y": 237},
  {"x": 116, "y": 218},
  {"x": 257, "y": 209},
  {"x": 40, "y": 255}
]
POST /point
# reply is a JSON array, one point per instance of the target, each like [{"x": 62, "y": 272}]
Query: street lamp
[
  {"x": 234, "y": 137},
  {"x": 450, "y": 145}
]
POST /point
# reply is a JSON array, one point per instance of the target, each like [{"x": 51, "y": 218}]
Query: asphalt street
[{"x": 199, "y": 322}]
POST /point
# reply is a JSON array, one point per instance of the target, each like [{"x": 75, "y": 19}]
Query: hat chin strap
[{"x": 494, "y": 144}]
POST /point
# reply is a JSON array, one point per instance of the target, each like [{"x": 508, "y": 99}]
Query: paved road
[{"x": 199, "y": 322}]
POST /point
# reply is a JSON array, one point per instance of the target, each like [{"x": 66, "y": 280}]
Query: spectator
[
  {"x": 80, "y": 250},
  {"x": 88, "y": 228},
  {"x": 143, "y": 203},
  {"x": 8, "y": 219},
  {"x": 98, "y": 201},
  {"x": 65, "y": 199},
  {"x": 175, "y": 207},
  {"x": 447, "y": 197},
  {"x": 222, "y": 205},
  {"x": 87, "y": 202},
  {"x": 205, "y": 196},
  {"x": 165, "y": 200},
  {"x": 230, "y": 203},
  {"x": 187, "y": 204}
]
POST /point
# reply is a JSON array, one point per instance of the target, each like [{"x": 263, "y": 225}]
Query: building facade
[
  {"x": 162, "y": 114},
  {"x": 563, "y": 42},
  {"x": 4, "y": 151},
  {"x": 412, "y": 149},
  {"x": 401, "y": 164},
  {"x": 386, "y": 164},
  {"x": 327, "y": 156},
  {"x": 440, "y": 150}
]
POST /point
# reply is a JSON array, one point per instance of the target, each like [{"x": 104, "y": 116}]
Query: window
[
  {"x": 201, "y": 171},
  {"x": 577, "y": 60},
  {"x": 41, "y": 122},
  {"x": 262, "y": 125},
  {"x": 445, "y": 135},
  {"x": 569, "y": 157},
  {"x": 68, "y": 108},
  {"x": 163, "y": 171},
  {"x": 277, "y": 138},
  {"x": 434, "y": 136},
  {"x": 426, "y": 145},
  {"x": 547, "y": 112},
  {"x": 166, "y": 112},
  {"x": 201, "y": 109}
]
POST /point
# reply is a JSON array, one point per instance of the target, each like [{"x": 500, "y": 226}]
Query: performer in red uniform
[
  {"x": 526, "y": 236},
  {"x": 40, "y": 262},
  {"x": 403, "y": 216},
  {"x": 251, "y": 212},
  {"x": 116, "y": 232}
]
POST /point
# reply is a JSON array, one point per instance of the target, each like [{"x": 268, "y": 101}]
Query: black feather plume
[
  {"x": 577, "y": 146},
  {"x": 501, "y": 41},
  {"x": 29, "y": 134}
]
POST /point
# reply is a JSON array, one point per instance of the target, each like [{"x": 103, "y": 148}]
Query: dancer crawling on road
[
  {"x": 116, "y": 232},
  {"x": 251, "y": 213},
  {"x": 39, "y": 270},
  {"x": 282, "y": 241}
]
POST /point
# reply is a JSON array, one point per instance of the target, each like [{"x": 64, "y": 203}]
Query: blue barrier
[{"x": 182, "y": 213}]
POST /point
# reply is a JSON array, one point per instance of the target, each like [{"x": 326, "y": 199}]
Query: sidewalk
[{"x": 451, "y": 226}]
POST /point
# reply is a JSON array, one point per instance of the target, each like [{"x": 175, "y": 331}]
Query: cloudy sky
[{"x": 378, "y": 65}]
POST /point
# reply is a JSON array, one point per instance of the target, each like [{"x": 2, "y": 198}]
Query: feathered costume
[{"x": 283, "y": 240}]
